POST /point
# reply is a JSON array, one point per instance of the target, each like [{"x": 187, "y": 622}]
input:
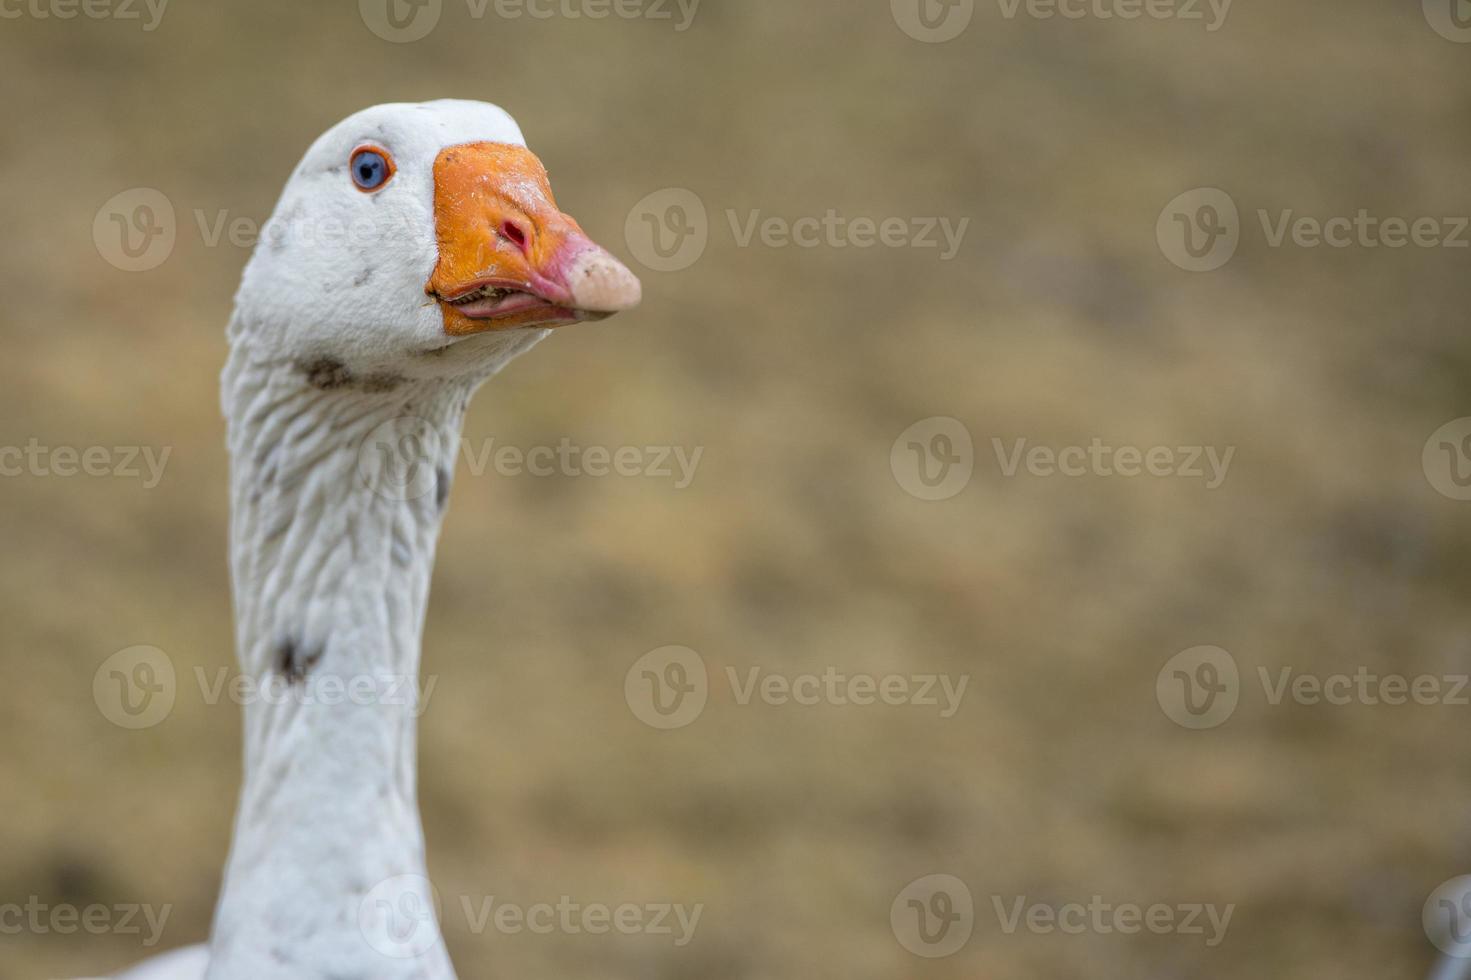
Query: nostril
[{"x": 514, "y": 233}]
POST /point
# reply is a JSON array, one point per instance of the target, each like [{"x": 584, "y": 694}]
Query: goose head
[{"x": 416, "y": 240}]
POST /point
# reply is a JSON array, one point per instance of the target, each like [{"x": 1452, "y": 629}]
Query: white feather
[{"x": 325, "y": 566}]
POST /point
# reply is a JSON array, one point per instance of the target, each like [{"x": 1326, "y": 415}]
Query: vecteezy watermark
[
  {"x": 933, "y": 21},
  {"x": 1364, "y": 687},
  {"x": 1201, "y": 688},
  {"x": 400, "y": 917},
  {"x": 938, "y": 21},
  {"x": 934, "y": 459},
  {"x": 325, "y": 688},
  {"x": 138, "y": 687},
  {"x": 934, "y": 917},
  {"x": 669, "y": 687},
  {"x": 1212, "y": 13},
  {"x": 673, "y": 920},
  {"x": 1100, "y": 916},
  {"x": 676, "y": 464},
  {"x": 145, "y": 463},
  {"x": 1451, "y": 19},
  {"x": 136, "y": 230},
  {"x": 404, "y": 21},
  {"x": 149, "y": 13},
  {"x": 135, "y": 688},
  {"x": 839, "y": 688},
  {"x": 1200, "y": 230},
  {"x": 1205, "y": 463},
  {"x": 669, "y": 230},
  {"x": 401, "y": 460},
  {"x": 837, "y": 231},
  {"x": 1447, "y": 917},
  {"x": 1446, "y": 459},
  {"x": 122, "y": 919}
]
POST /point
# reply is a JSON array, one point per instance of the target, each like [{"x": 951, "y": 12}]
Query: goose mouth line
[{"x": 492, "y": 298}]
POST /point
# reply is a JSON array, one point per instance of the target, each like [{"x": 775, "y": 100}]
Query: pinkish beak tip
[{"x": 599, "y": 283}]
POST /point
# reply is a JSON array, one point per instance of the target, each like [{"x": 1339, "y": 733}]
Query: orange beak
[{"x": 508, "y": 258}]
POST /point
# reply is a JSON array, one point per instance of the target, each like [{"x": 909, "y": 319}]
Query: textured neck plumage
[{"x": 336, "y": 506}]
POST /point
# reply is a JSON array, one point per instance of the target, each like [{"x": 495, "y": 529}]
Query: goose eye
[{"x": 370, "y": 168}]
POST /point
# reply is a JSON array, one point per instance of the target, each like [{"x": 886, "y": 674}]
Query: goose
[{"x": 415, "y": 251}]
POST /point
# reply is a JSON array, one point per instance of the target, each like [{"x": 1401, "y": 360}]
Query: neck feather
[{"x": 337, "y": 490}]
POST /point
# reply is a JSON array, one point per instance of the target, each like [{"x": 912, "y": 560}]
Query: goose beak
[{"x": 509, "y": 259}]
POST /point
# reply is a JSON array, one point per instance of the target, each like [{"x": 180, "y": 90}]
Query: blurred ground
[{"x": 795, "y": 549}]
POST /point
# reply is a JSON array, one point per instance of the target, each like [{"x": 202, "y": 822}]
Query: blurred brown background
[{"x": 795, "y": 549}]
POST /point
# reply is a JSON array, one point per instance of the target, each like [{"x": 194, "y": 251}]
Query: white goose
[{"x": 414, "y": 252}]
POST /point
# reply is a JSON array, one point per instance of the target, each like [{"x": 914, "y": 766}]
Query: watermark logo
[
  {"x": 143, "y": 463},
  {"x": 1211, "y": 12},
  {"x": 1207, "y": 464},
  {"x": 148, "y": 12},
  {"x": 839, "y": 688},
  {"x": 404, "y": 21},
  {"x": 1199, "y": 688},
  {"x": 680, "y": 12},
  {"x": 1362, "y": 230},
  {"x": 1447, "y": 917},
  {"x": 1364, "y": 687},
  {"x": 138, "y": 229},
  {"x": 1199, "y": 230},
  {"x": 668, "y": 230},
  {"x": 839, "y": 231},
  {"x": 400, "y": 21},
  {"x": 396, "y": 460},
  {"x": 674, "y": 920},
  {"x": 676, "y": 464},
  {"x": 399, "y": 916},
  {"x": 135, "y": 229},
  {"x": 135, "y": 688},
  {"x": 123, "y": 919},
  {"x": 933, "y": 21},
  {"x": 667, "y": 688},
  {"x": 401, "y": 459},
  {"x": 1446, "y": 459},
  {"x": 1451, "y": 19},
  {"x": 933, "y": 916},
  {"x": 326, "y": 688},
  {"x": 933, "y": 459},
  {"x": 1103, "y": 917}
]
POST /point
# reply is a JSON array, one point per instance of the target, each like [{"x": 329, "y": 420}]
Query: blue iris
[{"x": 369, "y": 169}]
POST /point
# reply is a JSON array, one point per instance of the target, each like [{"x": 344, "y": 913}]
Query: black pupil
[{"x": 370, "y": 170}]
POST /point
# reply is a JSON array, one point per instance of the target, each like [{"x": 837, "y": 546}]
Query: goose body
[{"x": 415, "y": 251}]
